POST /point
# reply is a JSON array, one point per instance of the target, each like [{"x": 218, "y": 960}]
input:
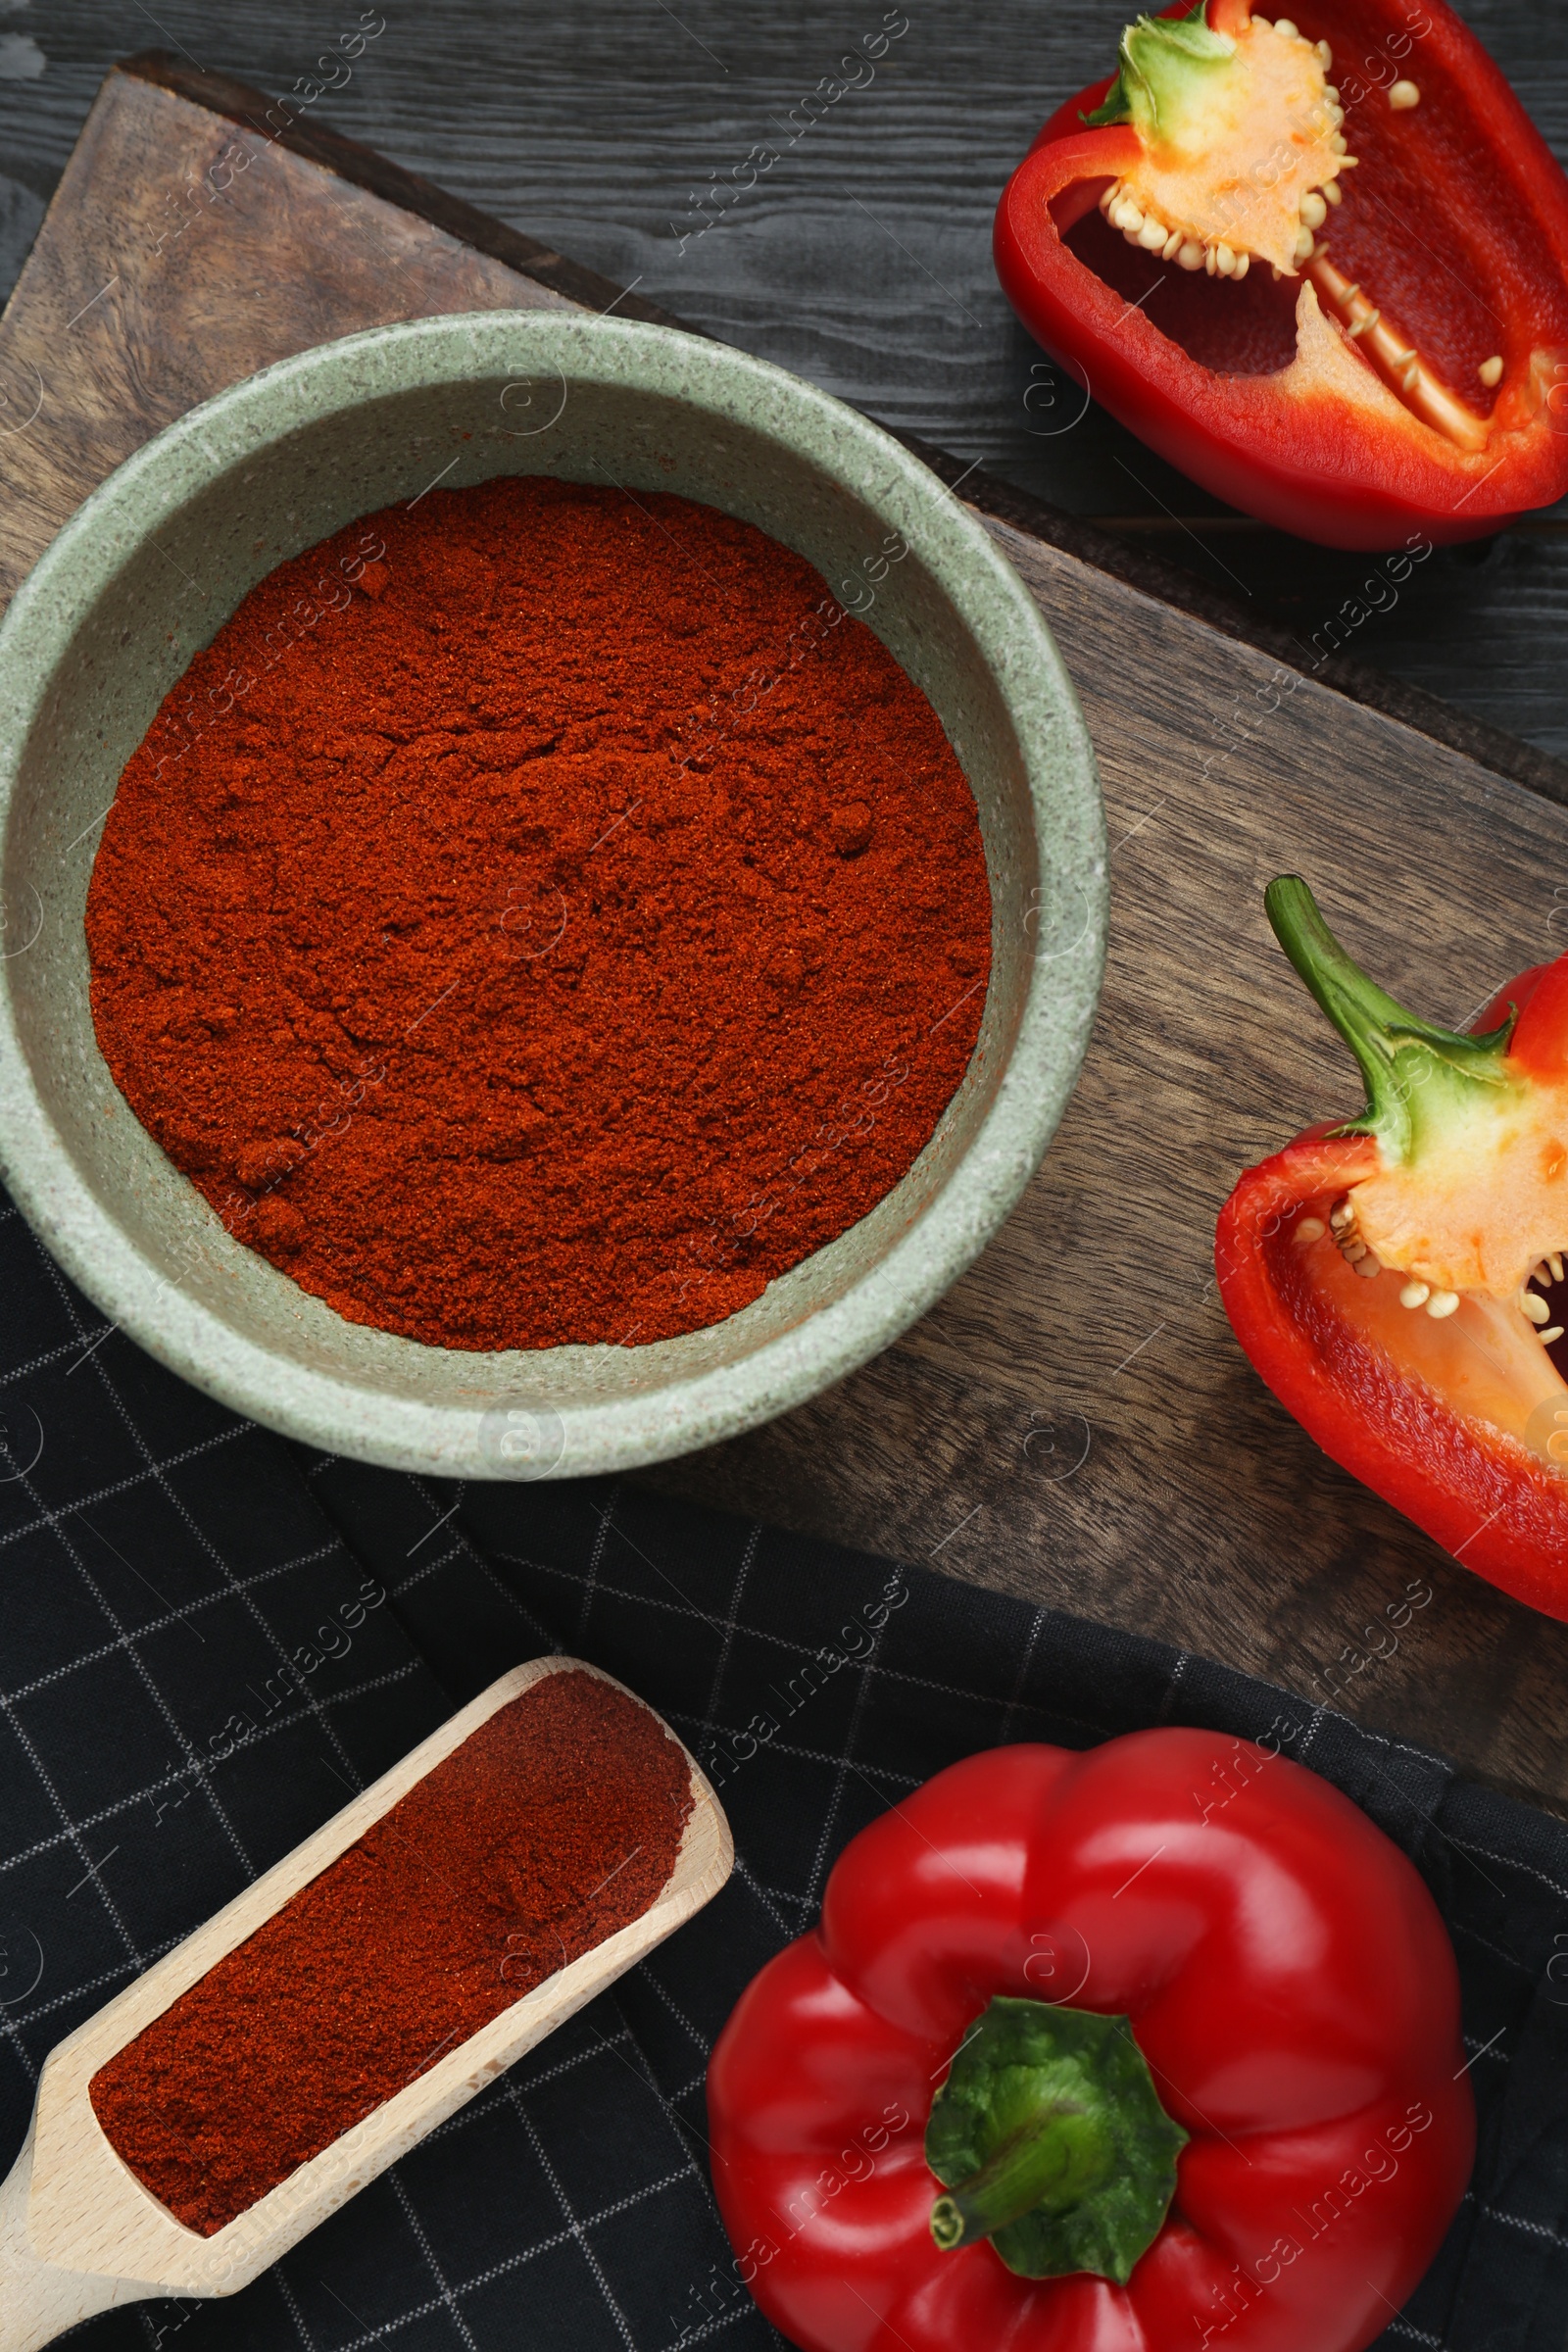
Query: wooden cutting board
[{"x": 1074, "y": 1421}]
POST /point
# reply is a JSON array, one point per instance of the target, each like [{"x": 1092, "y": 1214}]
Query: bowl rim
[{"x": 331, "y": 1409}]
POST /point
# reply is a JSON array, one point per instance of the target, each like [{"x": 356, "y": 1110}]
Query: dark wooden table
[
  {"x": 1019, "y": 1436},
  {"x": 861, "y": 259}
]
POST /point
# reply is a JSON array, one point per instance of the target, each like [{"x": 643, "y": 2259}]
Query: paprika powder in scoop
[
  {"x": 542, "y": 915},
  {"x": 528, "y": 1853},
  {"x": 555, "y": 1824}
]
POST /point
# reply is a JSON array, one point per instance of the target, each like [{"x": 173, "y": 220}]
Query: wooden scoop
[{"x": 80, "y": 2234}]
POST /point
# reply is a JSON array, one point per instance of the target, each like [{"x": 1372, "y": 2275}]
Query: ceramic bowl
[{"x": 145, "y": 574}]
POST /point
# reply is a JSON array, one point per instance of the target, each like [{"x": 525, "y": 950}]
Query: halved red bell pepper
[
  {"x": 1398, "y": 1280},
  {"x": 1154, "y": 2046},
  {"x": 1322, "y": 268}
]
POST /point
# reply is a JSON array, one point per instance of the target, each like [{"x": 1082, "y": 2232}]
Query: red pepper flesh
[
  {"x": 1453, "y": 224},
  {"x": 1285, "y": 1973},
  {"x": 1395, "y": 1280}
]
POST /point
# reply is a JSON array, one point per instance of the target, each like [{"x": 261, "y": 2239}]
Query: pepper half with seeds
[
  {"x": 1388, "y": 351},
  {"x": 1398, "y": 1280}
]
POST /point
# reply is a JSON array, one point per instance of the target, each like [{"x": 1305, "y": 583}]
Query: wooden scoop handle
[
  {"x": 79, "y": 2233},
  {"x": 37, "y": 2300}
]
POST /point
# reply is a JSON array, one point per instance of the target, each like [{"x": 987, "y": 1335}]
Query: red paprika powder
[
  {"x": 554, "y": 1824},
  {"x": 542, "y": 914}
]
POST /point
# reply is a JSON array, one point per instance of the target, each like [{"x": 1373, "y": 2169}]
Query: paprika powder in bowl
[{"x": 148, "y": 573}]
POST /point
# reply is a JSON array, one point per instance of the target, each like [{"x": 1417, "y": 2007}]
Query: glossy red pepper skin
[
  {"x": 1485, "y": 1497},
  {"x": 1480, "y": 1483},
  {"x": 1285, "y": 444},
  {"x": 1287, "y": 1975}
]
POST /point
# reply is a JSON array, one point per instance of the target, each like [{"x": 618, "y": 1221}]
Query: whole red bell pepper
[
  {"x": 1321, "y": 267},
  {"x": 1396, "y": 1278},
  {"x": 1141, "y": 2050}
]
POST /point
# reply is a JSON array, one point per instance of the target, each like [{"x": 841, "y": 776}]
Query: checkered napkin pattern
[{"x": 209, "y": 1637}]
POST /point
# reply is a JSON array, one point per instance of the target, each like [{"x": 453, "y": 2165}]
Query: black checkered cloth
[{"x": 194, "y": 1660}]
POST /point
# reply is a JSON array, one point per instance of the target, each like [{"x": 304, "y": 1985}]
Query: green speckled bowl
[{"x": 147, "y": 571}]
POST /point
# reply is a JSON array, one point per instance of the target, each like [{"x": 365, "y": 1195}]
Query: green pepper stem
[
  {"x": 1155, "y": 53},
  {"x": 1378, "y": 1031},
  {"x": 1050, "y": 2141},
  {"x": 1047, "y": 2165}
]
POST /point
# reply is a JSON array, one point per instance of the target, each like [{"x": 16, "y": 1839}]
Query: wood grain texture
[
  {"x": 80, "y": 2234},
  {"x": 1074, "y": 1421},
  {"x": 135, "y": 287},
  {"x": 132, "y": 290},
  {"x": 861, "y": 259}
]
